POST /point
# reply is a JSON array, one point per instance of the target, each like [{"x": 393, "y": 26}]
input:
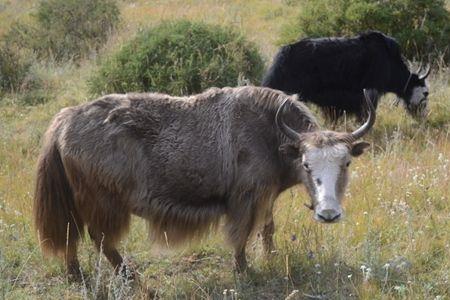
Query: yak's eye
[
  {"x": 348, "y": 163},
  {"x": 306, "y": 166}
]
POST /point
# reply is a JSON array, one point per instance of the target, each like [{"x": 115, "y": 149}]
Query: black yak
[{"x": 332, "y": 72}]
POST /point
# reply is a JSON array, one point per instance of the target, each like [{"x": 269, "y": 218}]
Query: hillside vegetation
[
  {"x": 422, "y": 28},
  {"x": 393, "y": 244}
]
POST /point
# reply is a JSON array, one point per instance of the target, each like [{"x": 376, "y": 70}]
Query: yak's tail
[{"x": 57, "y": 222}]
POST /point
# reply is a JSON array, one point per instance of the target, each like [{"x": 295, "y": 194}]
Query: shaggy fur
[
  {"x": 180, "y": 163},
  {"x": 332, "y": 72}
]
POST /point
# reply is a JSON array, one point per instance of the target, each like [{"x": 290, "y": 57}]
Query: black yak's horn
[
  {"x": 419, "y": 69},
  {"x": 288, "y": 131},
  {"x": 369, "y": 95},
  {"x": 426, "y": 73}
]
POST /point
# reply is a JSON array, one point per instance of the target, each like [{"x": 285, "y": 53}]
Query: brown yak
[{"x": 182, "y": 163}]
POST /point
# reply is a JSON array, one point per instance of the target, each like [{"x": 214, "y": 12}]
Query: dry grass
[{"x": 397, "y": 209}]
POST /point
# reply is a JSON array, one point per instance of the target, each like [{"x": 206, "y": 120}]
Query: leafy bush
[
  {"x": 67, "y": 29},
  {"x": 60, "y": 30},
  {"x": 21, "y": 77},
  {"x": 15, "y": 64},
  {"x": 422, "y": 27},
  {"x": 74, "y": 27},
  {"x": 179, "y": 58},
  {"x": 39, "y": 84}
]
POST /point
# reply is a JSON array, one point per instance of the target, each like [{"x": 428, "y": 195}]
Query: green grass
[{"x": 397, "y": 206}]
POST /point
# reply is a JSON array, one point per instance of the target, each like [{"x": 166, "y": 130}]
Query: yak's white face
[
  {"x": 320, "y": 160},
  {"x": 419, "y": 95},
  {"x": 418, "y": 101},
  {"x": 326, "y": 172}
]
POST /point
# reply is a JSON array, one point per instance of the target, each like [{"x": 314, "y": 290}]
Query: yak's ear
[
  {"x": 359, "y": 148},
  {"x": 289, "y": 150}
]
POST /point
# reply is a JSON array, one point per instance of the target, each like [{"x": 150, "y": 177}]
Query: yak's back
[{"x": 313, "y": 64}]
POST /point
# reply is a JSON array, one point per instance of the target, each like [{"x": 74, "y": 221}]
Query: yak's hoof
[
  {"x": 74, "y": 272},
  {"x": 241, "y": 265},
  {"x": 127, "y": 271}
]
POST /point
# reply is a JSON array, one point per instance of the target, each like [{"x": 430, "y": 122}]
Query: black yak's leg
[
  {"x": 362, "y": 113},
  {"x": 332, "y": 115}
]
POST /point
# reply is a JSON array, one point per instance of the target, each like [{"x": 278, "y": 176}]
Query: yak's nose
[{"x": 329, "y": 215}]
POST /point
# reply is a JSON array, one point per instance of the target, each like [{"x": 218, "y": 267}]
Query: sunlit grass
[
  {"x": 259, "y": 20},
  {"x": 397, "y": 207}
]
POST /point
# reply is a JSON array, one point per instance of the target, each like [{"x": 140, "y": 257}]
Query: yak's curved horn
[
  {"x": 286, "y": 130},
  {"x": 361, "y": 131},
  {"x": 426, "y": 73},
  {"x": 419, "y": 69}
]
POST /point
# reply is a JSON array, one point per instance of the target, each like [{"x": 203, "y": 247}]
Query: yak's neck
[{"x": 399, "y": 80}]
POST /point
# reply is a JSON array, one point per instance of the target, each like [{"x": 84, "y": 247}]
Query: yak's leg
[
  {"x": 240, "y": 222},
  {"x": 104, "y": 211},
  {"x": 108, "y": 220},
  {"x": 72, "y": 263},
  {"x": 108, "y": 248},
  {"x": 267, "y": 233},
  {"x": 362, "y": 113},
  {"x": 70, "y": 251},
  {"x": 239, "y": 245},
  {"x": 104, "y": 245},
  {"x": 331, "y": 114}
]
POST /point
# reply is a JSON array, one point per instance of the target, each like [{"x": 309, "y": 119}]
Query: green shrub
[
  {"x": 22, "y": 79},
  {"x": 39, "y": 84},
  {"x": 15, "y": 64},
  {"x": 422, "y": 27},
  {"x": 72, "y": 28},
  {"x": 179, "y": 58},
  {"x": 66, "y": 29}
]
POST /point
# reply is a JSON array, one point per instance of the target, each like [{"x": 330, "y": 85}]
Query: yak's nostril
[
  {"x": 329, "y": 218},
  {"x": 425, "y": 94},
  {"x": 336, "y": 217}
]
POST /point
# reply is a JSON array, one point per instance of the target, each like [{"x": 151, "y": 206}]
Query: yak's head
[
  {"x": 321, "y": 160},
  {"x": 415, "y": 93}
]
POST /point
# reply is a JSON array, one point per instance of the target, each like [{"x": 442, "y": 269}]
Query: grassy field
[{"x": 393, "y": 243}]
